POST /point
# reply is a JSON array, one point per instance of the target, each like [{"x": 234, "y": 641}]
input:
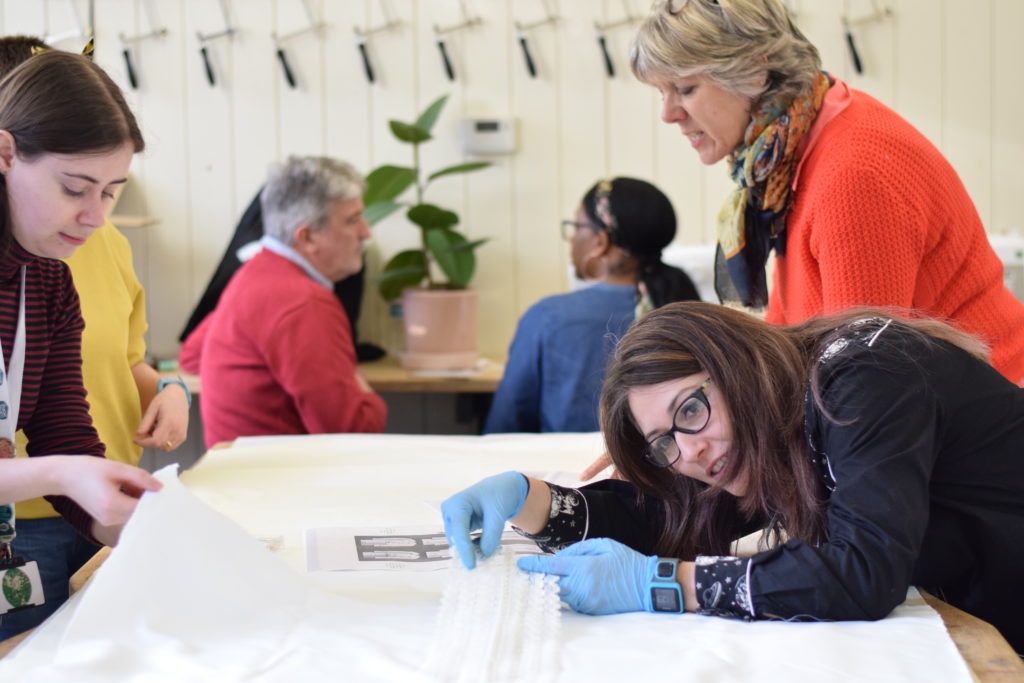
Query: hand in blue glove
[
  {"x": 485, "y": 505},
  {"x": 598, "y": 576}
]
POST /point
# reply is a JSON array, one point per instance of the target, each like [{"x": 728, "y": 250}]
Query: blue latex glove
[
  {"x": 486, "y": 505},
  {"x": 599, "y": 576}
]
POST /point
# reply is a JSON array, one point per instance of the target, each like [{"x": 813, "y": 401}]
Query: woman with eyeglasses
[
  {"x": 556, "y": 361},
  {"x": 875, "y": 452},
  {"x": 860, "y": 208}
]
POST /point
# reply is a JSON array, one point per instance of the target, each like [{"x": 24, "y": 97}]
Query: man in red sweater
[{"x": 276, "y": 356}]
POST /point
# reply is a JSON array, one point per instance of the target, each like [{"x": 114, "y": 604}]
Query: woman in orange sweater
[{"x": 860, "y": 208}]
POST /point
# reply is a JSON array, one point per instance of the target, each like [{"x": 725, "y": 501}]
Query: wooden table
[
  {"x": 984, "y": 649},
  {"x": 418, "y": 402},
  {"x": 387, "y": 376}
]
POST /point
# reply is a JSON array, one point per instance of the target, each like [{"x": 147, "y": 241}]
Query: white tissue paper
[{"x": 188, "y": 596}]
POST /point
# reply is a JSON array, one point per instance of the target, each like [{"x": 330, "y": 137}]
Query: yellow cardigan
[{"x": 114, "y": 308}]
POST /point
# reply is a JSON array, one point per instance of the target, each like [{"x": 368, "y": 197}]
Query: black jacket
[{"x": 926, "y": 488}]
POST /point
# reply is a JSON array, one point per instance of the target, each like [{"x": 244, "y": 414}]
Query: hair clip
[
  {"x": 603, "y": 207},
  {"x": 89, "y": 49}
]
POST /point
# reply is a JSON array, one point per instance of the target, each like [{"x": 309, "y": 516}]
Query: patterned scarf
[{"x": 753, "y": 219}]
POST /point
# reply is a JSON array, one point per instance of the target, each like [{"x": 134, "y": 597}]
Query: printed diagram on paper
[{"x": 391, "y": 548}]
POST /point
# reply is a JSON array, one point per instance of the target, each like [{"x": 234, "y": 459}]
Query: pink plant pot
[{"x": 440, "y": 329}]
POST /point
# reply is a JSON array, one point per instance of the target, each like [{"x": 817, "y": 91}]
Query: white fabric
[
  {"x": 497, "y": 624},
  {"x": 188, "y": 596}
]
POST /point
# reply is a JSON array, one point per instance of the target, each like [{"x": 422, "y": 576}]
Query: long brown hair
[
  {"x": 60, "y": 103},
  {"x": 762, "y": 372}
]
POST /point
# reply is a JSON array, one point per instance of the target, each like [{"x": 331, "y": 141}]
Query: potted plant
[{"x": 438, "y": 309}]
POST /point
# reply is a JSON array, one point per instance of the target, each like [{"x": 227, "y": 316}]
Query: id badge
[{"x": 20, "y": 586}]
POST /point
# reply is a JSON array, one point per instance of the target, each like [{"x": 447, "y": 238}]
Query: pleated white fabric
[{"x": 497, "y": 624}]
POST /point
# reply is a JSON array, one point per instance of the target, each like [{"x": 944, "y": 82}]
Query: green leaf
[
  {"x": 405, "y": 269},
  {"x": 461, "y": 168},
  {"x": 448, "y": 249},
  {"x": 429, "y": 217},
  {"x": 472, "y": 245},
  {"x": 378, "y": 211},
  {"x": 429, "y": 116},
  {"x": 409, "y": 133},
  {"x": 387, "y": 182}
]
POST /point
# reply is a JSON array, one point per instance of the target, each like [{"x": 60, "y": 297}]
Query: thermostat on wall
[{"x": 489, "y": 136}]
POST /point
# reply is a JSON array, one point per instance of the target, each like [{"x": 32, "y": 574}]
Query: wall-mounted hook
[
  {"x": 363, "y": 34},
  {"x": 205, "y": 38},
  {"x": 468, "y": 21},
  {"x": 315, "y": 27},
  {"x": 127, "y": 41},
  {"x": 521, "y": 30},
  {"x": 602, "y": 42},
  {"x": 80, "y": 32},
  {"x": 880, "y": 13}
]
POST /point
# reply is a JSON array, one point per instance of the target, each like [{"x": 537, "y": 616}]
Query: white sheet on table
[
  {"x": 189, "y": 596},
  {"x": 147, "y": 616}
]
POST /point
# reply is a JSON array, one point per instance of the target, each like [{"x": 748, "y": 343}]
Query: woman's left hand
[
  {"x": 165, "y": 424},
  {"x": 598, "y": 576}
]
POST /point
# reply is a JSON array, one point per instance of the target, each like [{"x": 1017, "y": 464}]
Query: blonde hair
[{"x": 749, "y": 47}]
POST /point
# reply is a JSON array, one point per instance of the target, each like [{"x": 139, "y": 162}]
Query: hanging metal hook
[
  {"x": 314, "y": 27},
  {"x": 602, "y": 42},
  {"x": 880, "y": 13},
  {"x": 363, "y": 34},
  {"x": 521, "y": 30},
  {"x": 204, "y": 38},
  {"x": 80, "y": 31},
  {"x": 439, "y": 34},
  {"x": 127, "y": 41}
]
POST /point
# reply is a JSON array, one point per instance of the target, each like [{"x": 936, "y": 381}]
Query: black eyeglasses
[
  {"x": 569, "y": 229},
  {"x": 692, "y": 415}
]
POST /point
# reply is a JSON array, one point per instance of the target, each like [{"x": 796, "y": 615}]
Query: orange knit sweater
[{"x": 880, "y": 218}]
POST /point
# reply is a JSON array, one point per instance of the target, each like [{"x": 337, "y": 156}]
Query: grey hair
[
  {"x": 300, "y": 192},
  {"x": 749, "y": 47}
]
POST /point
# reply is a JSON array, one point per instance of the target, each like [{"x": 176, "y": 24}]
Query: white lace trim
[{"x": 497, "y": 623}]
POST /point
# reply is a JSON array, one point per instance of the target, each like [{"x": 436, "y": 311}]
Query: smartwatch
[
  {"x": 164, "y": 381},
  {"x": 666, "y": 594}
]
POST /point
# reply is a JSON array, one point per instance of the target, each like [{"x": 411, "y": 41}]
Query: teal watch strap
[
  {"x": 666, "y": 594},
  {"x": 164, "y": 381}
]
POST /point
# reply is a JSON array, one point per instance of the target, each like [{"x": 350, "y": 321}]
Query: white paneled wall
[{"x": 951, "y": 67}]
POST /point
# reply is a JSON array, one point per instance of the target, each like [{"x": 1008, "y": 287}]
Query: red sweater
[
  {"x": 880, "y": 218},
  {"x": 277, "y": 358},
  {"x": 54, "y": 413}
]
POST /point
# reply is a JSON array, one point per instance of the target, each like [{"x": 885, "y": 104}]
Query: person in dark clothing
[
  {"x": 876, "y": 452},
  {"x": 250, "y": 229}
]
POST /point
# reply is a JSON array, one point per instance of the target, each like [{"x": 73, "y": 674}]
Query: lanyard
[{"x": 10, "y": 403}]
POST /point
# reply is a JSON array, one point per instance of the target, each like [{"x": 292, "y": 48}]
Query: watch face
[
  {"x": 666, "y": 569},
  {"x": 665, "y": 600}
]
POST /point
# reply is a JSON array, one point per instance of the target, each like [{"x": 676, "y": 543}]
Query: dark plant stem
[{"x": 419, "y": 200}]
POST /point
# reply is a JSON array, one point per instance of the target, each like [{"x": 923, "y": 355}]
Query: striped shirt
[{"x": 54, "y": 413}]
